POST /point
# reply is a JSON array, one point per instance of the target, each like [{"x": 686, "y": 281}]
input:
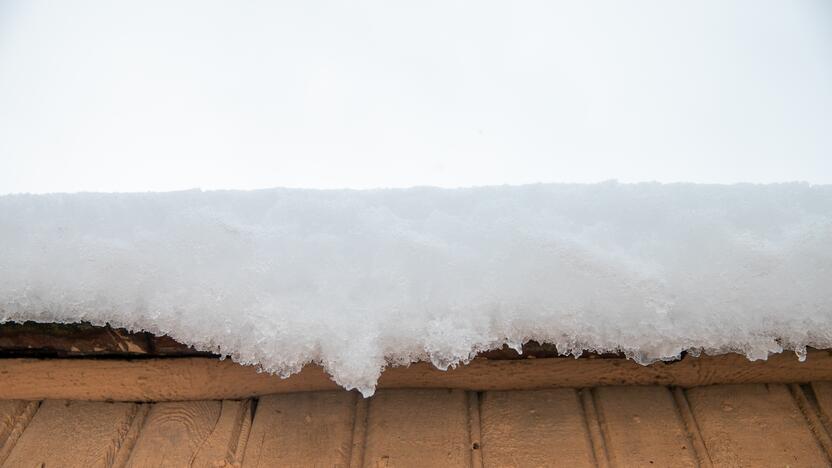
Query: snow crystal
[{"x": 358, "y": 280}]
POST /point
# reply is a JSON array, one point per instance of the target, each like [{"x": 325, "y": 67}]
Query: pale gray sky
[{"x": 161, "y": 95}]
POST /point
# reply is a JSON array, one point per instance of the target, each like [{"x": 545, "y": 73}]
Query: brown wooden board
[
  {"x": 534, "y": 428},
  {"x": 822, "y": 391},
  {"x": 417, "y": 428},
  {"x": 222, "y": 446},
  {"x": 737, "y": 425},
  {"x": 192, "y": 433},
  {"x": 302, "y": 429},
  {"x": 15, "y": 415},
  {"x": 754, "y": 425},
  {"x": 182, "y": 379},
  {"x": 642, "y": 426},
  {"x": 173, "y": 432},
  {"x": 73, "y": 434},
  {"x": 125, "y": 449},
  {"x": 67, "y": 339},
  {"x": 84, "y": 339}
]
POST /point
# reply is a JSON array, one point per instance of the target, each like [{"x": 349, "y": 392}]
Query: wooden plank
[
  {"x": 359, "y": 432},
  {"x": 210, "y": 379},
  {"x": 593, "y": 424},
  {"x": 692, "y": 427},
  {"x": 70, "y": 339},
  {"x": 221, "y": 445},
  {"x": 754, "y": 425},
  {"x": 33, "y": 339},
  {"x": 173, "y": 432},
  {"x": 12, "y": 413},
  {"x": 475, "y": 428},
  {"x": 418, "y": 428},
  {"x": 245, "y": 431},
  {"x": 129, "y": 440},
  {"x": 171, "y": 379},
  {"x": 823, "y": 395},
  {"x": 811, "y": 412},
  {"x": 534, "y": 428},
  {"x": 192, "y": 433},
  {"x": 15, "y": 415},
  {"x": 642, "y": 427},
  {"x": 73, "y": 434},
  {"x": 302, "y": 429}
]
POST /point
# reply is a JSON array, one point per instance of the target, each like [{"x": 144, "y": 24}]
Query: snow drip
[{"x": 358, "y": 280}]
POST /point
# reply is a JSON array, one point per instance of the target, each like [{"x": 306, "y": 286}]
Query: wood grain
[
  {"x": 220, "y": 448},
  {"x": 32, "y": 339},
  {"x": 182, "y": 379},
  {"x": 129, "y": 440},
  {"x": 811, "y": 412},
  {"x": 642, "y": 427},
  {"x": 823, "y": 395},
  {"x": 73, "y": 434},
  {"x": 15, "y": 415},
  {"x": 692, "y": 428},
  {"x": 534, "y": 428},
  {"x": 173, "y": 433},
  {"x": 754, "y": 425},
  {"x": 359, "y": 431},
  {"x": 302, "y": 429},
  {"x": 735, "y": 425},
  {"x": 600, "y": 457},
  {"x": 417, "y": 428},
  {"x": 475, "y": 429},
  {"x": 247, "y": 418}
]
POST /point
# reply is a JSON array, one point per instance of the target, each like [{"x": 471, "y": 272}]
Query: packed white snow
[{"x": 358, "y": 280}]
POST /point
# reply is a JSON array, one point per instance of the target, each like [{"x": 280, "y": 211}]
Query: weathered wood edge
[
  {"x": 38, "y": 340},
  {"x": 196, "y": 378},
  {"x": 83, "y": 339}
]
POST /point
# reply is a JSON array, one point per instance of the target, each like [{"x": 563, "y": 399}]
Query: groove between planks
[
  {"x": 641, "y": 426},
  {"x": 596, "y": 436},
  {"x": 736, "y": 423},
  {"x": 694, "y": 434},
  {"x": 73, "y": 433},
  {"x": 125, "y": 449},
  {"x": 475, "y": 428},
  {"x": 359, "y": 431},
  {"x": 20, "y": 414},
  {"x": 812, "y": 416}
]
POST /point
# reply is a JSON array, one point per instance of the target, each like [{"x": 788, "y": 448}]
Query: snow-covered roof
[{"x": 357, "y": 280}]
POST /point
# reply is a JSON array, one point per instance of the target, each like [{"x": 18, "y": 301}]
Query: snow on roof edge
[{"x": 358, "y": 280}]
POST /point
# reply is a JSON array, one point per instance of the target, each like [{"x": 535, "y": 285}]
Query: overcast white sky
[{"x": 160, "y": 95}]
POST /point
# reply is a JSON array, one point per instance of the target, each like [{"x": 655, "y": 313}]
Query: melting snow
[{"x": 358, "y": 280}]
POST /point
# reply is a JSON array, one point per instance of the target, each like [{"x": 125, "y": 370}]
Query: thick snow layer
[{"x": 358, "y": 280}]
